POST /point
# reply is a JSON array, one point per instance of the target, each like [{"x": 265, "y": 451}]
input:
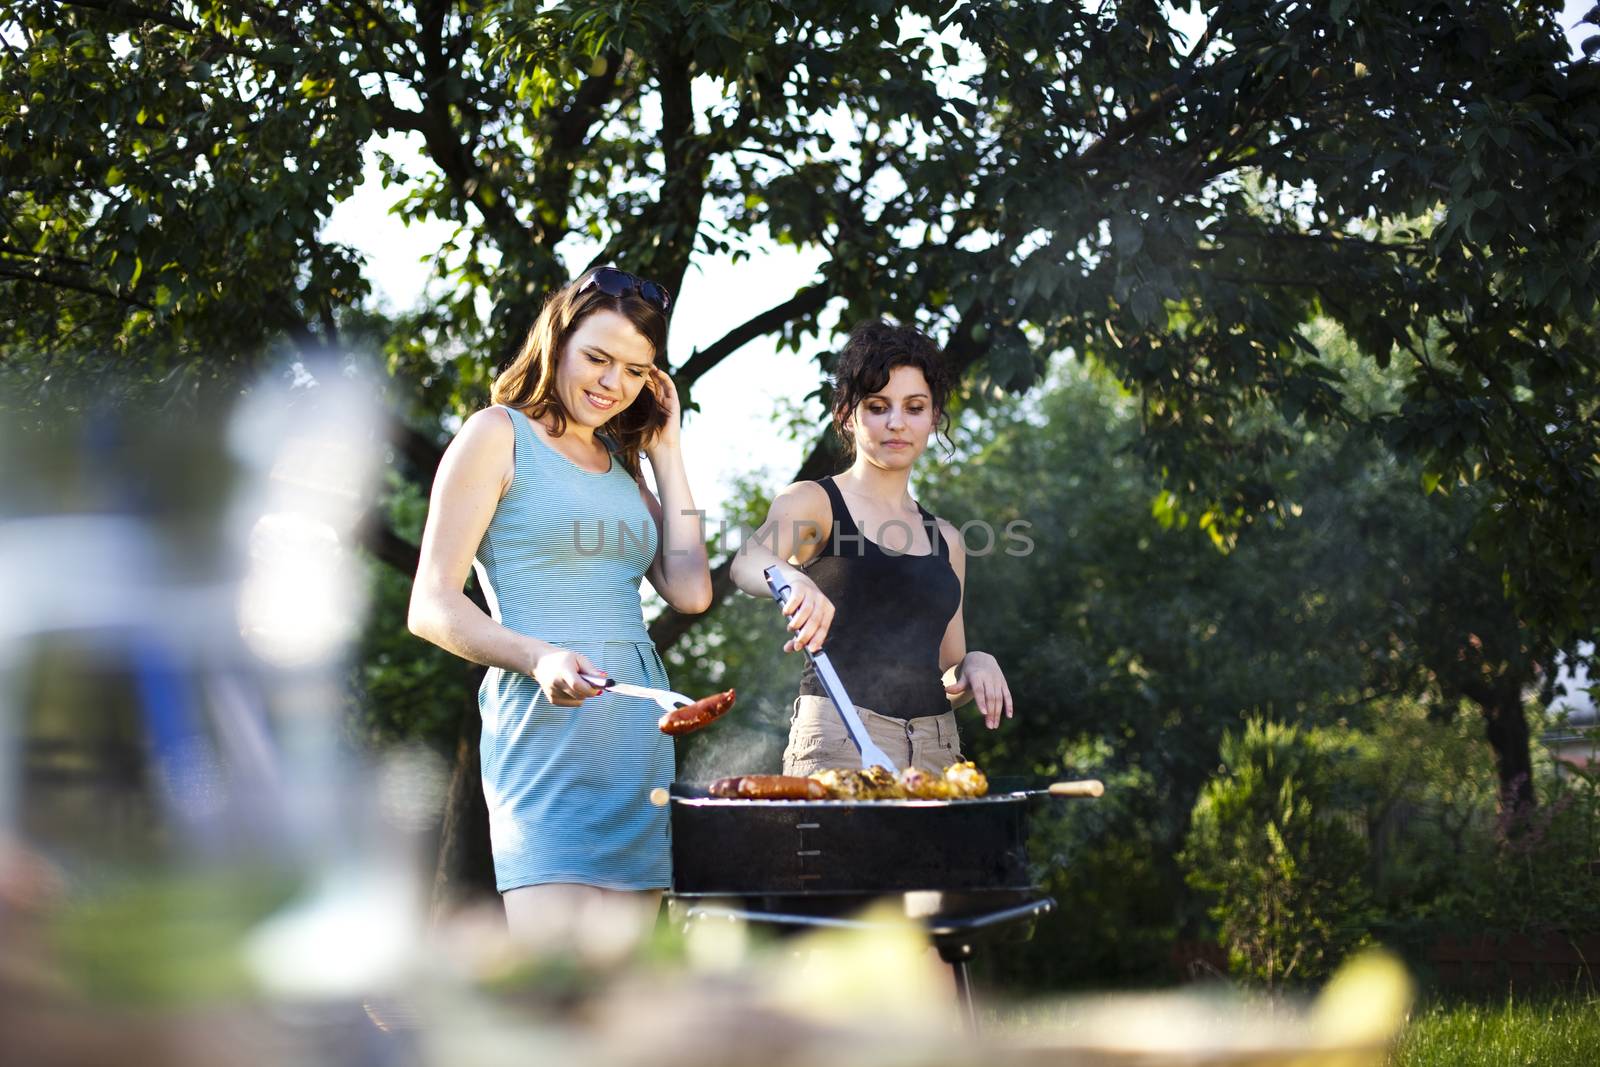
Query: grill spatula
[{"x": 871, "y": 754}]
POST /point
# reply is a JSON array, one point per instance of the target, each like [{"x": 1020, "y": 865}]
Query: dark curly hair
[{"x": 873, "y": 350}]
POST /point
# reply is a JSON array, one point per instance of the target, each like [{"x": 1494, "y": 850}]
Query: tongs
[
  {"x": 665, "y": 699},
  {"x": 871, "y": 754}
]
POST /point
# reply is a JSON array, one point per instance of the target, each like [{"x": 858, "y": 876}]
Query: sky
[{"x": 739, "y": 429}]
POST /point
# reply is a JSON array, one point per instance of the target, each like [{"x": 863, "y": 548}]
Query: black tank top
[{"x": 890, "y": 613}]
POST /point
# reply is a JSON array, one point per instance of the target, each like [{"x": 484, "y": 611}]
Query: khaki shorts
[{"x": 818, "y": 740}]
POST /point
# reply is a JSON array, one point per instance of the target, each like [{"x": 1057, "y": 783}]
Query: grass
[{"x": 1553, "y": 1032}]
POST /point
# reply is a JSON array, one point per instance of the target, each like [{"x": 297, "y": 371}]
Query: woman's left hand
[
  {"x": 982, "y": 676},
  {"x": 666, "y": 394}
]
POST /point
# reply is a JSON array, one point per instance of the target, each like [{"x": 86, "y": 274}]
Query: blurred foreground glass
[{"x": 180, "y": 824}]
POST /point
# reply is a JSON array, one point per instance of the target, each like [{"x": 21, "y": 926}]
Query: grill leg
[
  {"x": 957, "y": 956},
  {"x": 969, "y": 1012}
]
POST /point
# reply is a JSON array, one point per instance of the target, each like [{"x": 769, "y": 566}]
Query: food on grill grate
[
  {"x": 882, "y": 784},
  {"x": 726, "y": 788},
  {"x": 769, "y": 787},
  {"x": 845, "y": 783},
  {"x": 966, "y": 780},
  {"x": 924, "y": 785},
  {"x": 691, "y": 717}
]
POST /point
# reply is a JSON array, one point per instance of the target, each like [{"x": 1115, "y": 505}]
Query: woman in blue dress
[{"x": 543, "y": 495}]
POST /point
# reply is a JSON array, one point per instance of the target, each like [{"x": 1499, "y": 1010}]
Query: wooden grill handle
[{"x": 1089, "y": 787}]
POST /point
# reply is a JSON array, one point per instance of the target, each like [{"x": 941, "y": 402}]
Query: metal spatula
[
  {"x": 666, "y": 699},
  {"x": 871, "y": 754}
]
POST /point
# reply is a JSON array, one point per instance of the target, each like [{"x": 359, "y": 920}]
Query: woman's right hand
[
  {"x": 557, "y": 673},
  {"x": 810, "y": 613}
]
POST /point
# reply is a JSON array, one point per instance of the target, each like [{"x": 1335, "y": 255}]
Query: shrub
[{"x": 1274, "y": 841}]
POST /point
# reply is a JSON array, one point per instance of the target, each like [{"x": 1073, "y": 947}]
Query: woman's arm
[
  {"x": 969, "y": 675},
  {"x": 680, "y": 572},
  {"x": 797, "y": 526},
  {"x": 473, "y": 477}
]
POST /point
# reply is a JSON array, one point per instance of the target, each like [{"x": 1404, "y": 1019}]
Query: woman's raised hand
[
  {"x": 810, "y": 613},
  {"x": 666, "y": 394},
  {"x": 557, "y": 673}
]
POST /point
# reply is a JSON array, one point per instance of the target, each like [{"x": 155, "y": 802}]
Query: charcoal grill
[{"x": 960, "y": 867}]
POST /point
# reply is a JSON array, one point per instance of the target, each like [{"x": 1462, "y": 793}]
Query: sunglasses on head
[{"x": 614, "y": 282}]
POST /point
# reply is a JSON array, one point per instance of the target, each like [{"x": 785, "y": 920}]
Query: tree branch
[
  {"x": 572, "y": 127},
  {"x": 683, "y": 184},
  {"x": 807, "y": 301},
  {"x": 134, "y": 13},
  {"x": 40, "y": 277},
  {"x": 379, "y": 538},
  {"x": 421, "y": 453},
  {"x": 445, "y": 145},
  {"x": 1161, "y": 102}
]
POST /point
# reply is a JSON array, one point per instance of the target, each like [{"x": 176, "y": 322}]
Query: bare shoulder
[
  {"x": 804, "y": 500},
  {"x": 488, "y": 425},
  {"x": 952, "y": 540},
  {"x": 484, "y": 447}
]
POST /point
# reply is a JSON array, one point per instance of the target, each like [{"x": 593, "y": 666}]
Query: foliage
[
  {"x": 1175, "y": 197},
  {"x": 1106, "y": 866},
  {"x": 1423, "y": 851},
  {"x": 1271, "y": 841},
  {"x": 1428, "y": 801},
  {"x": 1131, "y": 645},
  {"x": 1536, "y": 874},
  {"x": 401, "y": 688}
]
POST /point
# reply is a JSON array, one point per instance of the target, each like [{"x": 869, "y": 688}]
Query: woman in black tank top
[{"x": 877, "y": 580}]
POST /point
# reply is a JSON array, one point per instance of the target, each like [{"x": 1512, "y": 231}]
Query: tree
[
  {"x": 1018, "y": 178},
  {"x": 1132, "y": 644},
  {"x": 1027, "y": 178}
]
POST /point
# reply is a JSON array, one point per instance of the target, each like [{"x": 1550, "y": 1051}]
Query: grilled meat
[
  {"x": 692, "y": 717},
  {"x": 882, "y": 784},
  {"x": 965, "y": 780},
  {"x": 924, "y": 785},
  {"x": 843, "y": 783}
]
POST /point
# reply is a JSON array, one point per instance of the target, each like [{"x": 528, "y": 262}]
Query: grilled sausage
[
  {"x": 780, "y": 787},
  {"x": 726, "y": 787},
  {"x": 691, "y": 717}
]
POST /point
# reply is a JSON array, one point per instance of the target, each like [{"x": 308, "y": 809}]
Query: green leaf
[{"x": 1127, "y": 235}]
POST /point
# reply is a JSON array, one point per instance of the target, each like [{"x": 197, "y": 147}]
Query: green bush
[
  {"x": 1110, "y": 873},
  {"x": 1444, "y": 860},
  {"x": 1274, "y": 842},
  {"x": 1539, "y": 872}
]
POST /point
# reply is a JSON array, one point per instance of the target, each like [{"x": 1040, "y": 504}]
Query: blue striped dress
[{"x": 568, "y": 788}]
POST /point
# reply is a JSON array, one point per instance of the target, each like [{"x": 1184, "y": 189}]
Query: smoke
[{"x": 739, "y": 744}]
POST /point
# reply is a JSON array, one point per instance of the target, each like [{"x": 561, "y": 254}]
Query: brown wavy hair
[
  {"x": 870, "y": 354},
  {"x": 528, "y": 383}
]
